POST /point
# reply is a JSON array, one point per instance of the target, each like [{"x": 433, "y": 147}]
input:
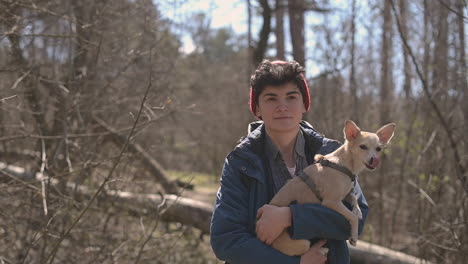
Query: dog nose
[{"x": 374, "y": 162}]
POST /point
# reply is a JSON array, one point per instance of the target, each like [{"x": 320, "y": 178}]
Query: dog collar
[{"x": 337, "y": 167}]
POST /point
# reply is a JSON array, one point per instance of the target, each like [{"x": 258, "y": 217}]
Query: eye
[
  {"x": 363, "y": 146},
  {"x": 292, "y": 97},
  {"x": 271, "y": 99},
  {"x": 378, "y": 149}
]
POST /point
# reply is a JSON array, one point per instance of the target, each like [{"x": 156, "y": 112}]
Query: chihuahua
[{"x": 331, "y": 180}]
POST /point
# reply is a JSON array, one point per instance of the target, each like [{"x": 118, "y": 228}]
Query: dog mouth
[
  {"x": 369, "y": 166},
  {"x": 372, "y": 164}
]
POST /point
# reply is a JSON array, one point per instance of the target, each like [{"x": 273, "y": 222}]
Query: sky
[
  {"x": 223, "y": 13},
  {"x": 230, "y": 13}
]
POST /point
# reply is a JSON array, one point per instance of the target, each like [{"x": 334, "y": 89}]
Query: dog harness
[
  {"x": 307, "y": 180},
  {"x": 338, "y": 167}
]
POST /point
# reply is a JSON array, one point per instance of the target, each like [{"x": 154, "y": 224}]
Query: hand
[
  {"x": 271, "y": 221},
  {"x": 316, "y": 254}
]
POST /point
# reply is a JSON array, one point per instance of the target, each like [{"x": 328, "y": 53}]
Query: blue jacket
[{"x": 246, "y": 185}]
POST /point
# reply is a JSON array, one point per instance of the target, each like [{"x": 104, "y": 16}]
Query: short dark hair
[{"x": 277, "y": 73}]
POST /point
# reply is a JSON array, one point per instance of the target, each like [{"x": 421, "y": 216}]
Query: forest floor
[{"x": 205, "y": 186}]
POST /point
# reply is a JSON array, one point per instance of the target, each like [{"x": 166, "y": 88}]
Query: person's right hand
[{"x": 314, "y": 255}]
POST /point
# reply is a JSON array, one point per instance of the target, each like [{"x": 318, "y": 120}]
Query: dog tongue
[{"x": 375, "y": 162}]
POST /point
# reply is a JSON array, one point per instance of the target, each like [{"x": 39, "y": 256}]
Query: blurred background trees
[{"x": 70, "y": 70}]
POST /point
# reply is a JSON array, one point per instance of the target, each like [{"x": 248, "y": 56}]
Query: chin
[
  {"x": 285, "y": 127},
  {"x": 369, "y": 167}
]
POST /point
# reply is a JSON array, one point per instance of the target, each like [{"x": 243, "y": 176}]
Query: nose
[
  {"x": 282, "y": 106},
  {"x": 374, "y": 161}
]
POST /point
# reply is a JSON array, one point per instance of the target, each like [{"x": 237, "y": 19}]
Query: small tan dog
[{"x": 331, "y": 180}]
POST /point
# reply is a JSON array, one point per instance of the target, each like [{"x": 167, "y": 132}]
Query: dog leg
[
  {"x": 352, "y": 199},
  {"x": 352, "y": 218},
  {"x": 291, "y": 247}
]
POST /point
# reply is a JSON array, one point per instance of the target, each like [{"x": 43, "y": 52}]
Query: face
[
  {"x": 281, "y": 107},
  {"x": 367, "y": 146}
]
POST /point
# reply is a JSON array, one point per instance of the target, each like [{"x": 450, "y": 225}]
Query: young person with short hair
[{"x": 276, "y": 148}]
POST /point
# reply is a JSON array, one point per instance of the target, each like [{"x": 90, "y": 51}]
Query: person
[{"x": 277, "y": 147}]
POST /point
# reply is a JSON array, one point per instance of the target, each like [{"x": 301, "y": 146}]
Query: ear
[
  {"x": 385, "y": 133},
  {"x": 257, "y": 110},
  {"x": 351, "y": 130}
]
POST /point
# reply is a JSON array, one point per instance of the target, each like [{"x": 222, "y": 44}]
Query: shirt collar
[{"x": 273, "y": 152}]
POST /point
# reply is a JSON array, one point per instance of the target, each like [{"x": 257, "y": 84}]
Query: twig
[
  {"x": 6, "y": 98},
  {"x": 18, "y": 81},
  {"x": 158, "y": 210},
  {"x": 53, "y": 137},
  {"x": 101, "y": 187},
  {"x": 441, "y": 2},
  {"x": 43, "y": 162}
]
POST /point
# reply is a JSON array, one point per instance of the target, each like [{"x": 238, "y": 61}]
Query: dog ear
[
  {"x": 351, "y": 130},
  {"x": 385, "y": 133}
]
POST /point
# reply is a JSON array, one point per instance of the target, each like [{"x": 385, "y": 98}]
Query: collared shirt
[{"x": 279, "y": 171}]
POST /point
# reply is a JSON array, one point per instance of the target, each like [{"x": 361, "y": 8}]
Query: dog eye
[
  {"x": 378, "y": 149},
  {"x": 363, "y": 147}
]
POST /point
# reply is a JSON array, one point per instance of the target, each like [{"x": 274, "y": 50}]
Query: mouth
[
  {"x": 283, "y": 117},
  {"x": 369, "y": 166},
  {"x": 372, "y": 164}
]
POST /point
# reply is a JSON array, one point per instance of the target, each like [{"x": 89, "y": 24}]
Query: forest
[{"x": 113, "y": 135}]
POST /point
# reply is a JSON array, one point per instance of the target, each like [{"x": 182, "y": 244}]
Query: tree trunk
[
  {"x": 279, "y": 29},
  {"x": 260, "y": 50},
  {"x": 406, "y": 64},
  {"x": 296, "y": 27},
  {"x": 427, "y": 41},
  {"x": 385, "y": 105},
  {"x": 386, "y": 72},
  {"x": 250, "y": 48},
  {"x": 352, "y": 73},
  {"x": 463, "y": 67},
  {"x": 440, "y": 60}
]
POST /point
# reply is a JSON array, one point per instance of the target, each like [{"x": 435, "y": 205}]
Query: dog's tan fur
[{"x": 333, "y": 186}]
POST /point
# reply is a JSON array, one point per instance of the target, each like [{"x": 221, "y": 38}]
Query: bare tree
[
  {"x": 296, "y": 10},
  {"x": 352, "y": 73},
  {"x": 262, "y": 44},
  {"x": 279, "y": 29}
]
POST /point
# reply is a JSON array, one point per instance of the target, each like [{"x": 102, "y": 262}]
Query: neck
[
  {"x": 285, "y": 142},
  {"x": 344, "y": 157}
]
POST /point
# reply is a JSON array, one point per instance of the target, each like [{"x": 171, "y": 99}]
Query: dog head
[{"x": 366, "y": 147}]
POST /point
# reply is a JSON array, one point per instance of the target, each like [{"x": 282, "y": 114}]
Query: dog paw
[
  {"x": 357, "y": 212},
  {"x": 353, "y": 241}
]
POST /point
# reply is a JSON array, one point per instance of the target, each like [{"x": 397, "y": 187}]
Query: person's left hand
[{"x": 271, "y": 221}]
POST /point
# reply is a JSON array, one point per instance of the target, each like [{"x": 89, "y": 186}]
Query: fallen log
[
  {"x": 367, "y": 253},
  {"x": 149, "y": 162},
  {"x": 198, "y": 214}
]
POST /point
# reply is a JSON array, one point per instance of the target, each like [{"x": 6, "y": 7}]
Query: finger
[
  {"x": 258, "y": 229},
  {"x": 324, "y": 260},
  {"x": 269, "y": 241},
  {"x": 259, "y": 212},
  {"x": 262, "y": 238},
  {"x": 320, "y": 243},
  {"x": 323, "y": 251}
]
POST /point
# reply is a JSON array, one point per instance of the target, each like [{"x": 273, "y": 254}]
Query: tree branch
[{"x": 459, "y": 168}]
